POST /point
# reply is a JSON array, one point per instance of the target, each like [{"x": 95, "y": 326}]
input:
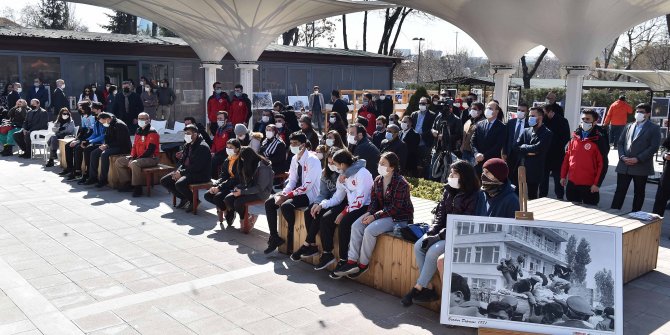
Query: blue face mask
[
  {"x": 532, "y": 121},
  {"x": 389, "y": 136}
]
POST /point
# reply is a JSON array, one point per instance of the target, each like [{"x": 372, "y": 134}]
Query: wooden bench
[
  {"x": 195, "y": 188},
  {"x": 155, "y": 172},
  {"x": 249, "y": 220}
]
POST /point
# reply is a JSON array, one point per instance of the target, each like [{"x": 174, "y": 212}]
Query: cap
[
  {"x": 498, "y": 168},
  {"x": 579, "y": 305},
  {"x": 240, "y": 129}
]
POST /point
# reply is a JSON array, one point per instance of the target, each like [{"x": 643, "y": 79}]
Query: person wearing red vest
[
  {"x": 144, "y": 154},
  {"x": 240, "y": 107},
  {"x": 217, "y": 102},
  {"x": 223, "y": 133},
  {"x": 368, "y": 112}
]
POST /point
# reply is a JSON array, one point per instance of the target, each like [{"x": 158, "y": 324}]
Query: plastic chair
[
  {"x": 39, "y": 141},
  {"x": 178, "y": 126},
  {"x": 159, "y": 125}
]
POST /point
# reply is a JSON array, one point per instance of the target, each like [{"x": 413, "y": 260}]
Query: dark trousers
[
  {"x": 217, "y": 160},
  {"x": 237, "y": 203},
  {"x": 73, "y": 157},
  {"x": 101, "y": 157},
  {"x": 22, "y": 140},
  {"x": 424, "y": 161},
  {"x": 288, "y": 212},
  {"x": 87, "y": 155},
  {"x": 622, "y": 183},
  {"x": 581, "y": 193},
  {"x": 344, "y": 229},
  {"x": 663, "y": 192},
  {"x": 180, "y": 188},
  {"x": 532, "y": 190},
  {"x": 325, "y": 217},
  {"x": 218, "y": 199},
  {"x": 615, "y": 133},
  {"x": 555, "y": 172}
]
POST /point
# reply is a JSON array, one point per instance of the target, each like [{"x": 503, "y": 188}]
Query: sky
[{"x": 438, "y": 34}]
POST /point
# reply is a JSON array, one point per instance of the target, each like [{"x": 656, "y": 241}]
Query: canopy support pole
[
  {"x": 573, "y": 93},
  {"x": 501, "y": 78},
  {"x": 247, "y": 82},
  {"x": 210, "y": 79}
]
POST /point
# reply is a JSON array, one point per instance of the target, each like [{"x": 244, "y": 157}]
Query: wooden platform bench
[
  {"x": 152, "y": 174},
  {"x": 195, "y": 188}
]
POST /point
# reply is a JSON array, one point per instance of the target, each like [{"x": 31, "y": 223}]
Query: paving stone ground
[{"x": 78, "y": 260}]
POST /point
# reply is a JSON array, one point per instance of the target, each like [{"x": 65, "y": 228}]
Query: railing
[{"x": 535, "y": 242}]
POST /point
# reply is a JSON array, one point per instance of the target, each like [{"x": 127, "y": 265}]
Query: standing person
[
  {"x": 149, "y": 100},
  {"x": 489, "y": 137},
  {"x": 316, "y": 104},
  {"x": 9, "y": 88},
  {"x": 422, "y": 121},
  {"x": 532, "y": 149},
  {"x": 36, "y": 119},
  {"x": 499, "y": 197},
  {"x": 411, "y": 140},
  {"x": 307, "y": 129},
  {"x": 551, "y": 101},
  {"x": 58, "y": 98},
  {"x": 515, "y": 129},
  {"x": 616, "y": 119},
  {"x": 560, "y": 130},
  {"x": 15, "y": 95},
  {"x": 166, "y": 98},
  {"x": 143, "y": 81},
  {"x": 637, "y": 145},
  {"x": 127, "y": 105},
  {"x": 384, "y": 104},
  {"x": 300, "y": 190},
  {"x": 274, "y": 150},
  {"x": 380, "y": 132},
  {"x": 335, "y": 123},
  {"x": 583, "y": 163},
  {"x": 663, "y": 191},
  {"x": 460, "y": 197},
  {"x": 361, "y": 147},
  {"x": 143, "y": 154},
  {"x": 97, "y": 94},
  {"x": 392, "y": 143},
  {"x": 390, "y": 206},
  {"x": 339, "y": 106},
  {"x": 87, "y": 94},
  {"x": 448, "y": 133},
  {"x": 368, "y": 112},
  {"x": 39, "y": 92},
  {"x": 217, "y": 102},
  {"x": 223, "y": 133},
  {"x": 194, "y": 167},
  {"x": 240, "y": 107},
  {"x": 16, "y": 116},
  {"x": 109, "y": 102},
  {"x": 63, "y": 127},
  {"x": 117, "y": 142},
  {"x": 227, "y": 179}
]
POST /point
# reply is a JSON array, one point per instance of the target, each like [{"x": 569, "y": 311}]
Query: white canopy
[{"x": 657, "y": 80}]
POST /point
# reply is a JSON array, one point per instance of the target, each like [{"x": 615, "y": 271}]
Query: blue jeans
[{"x": 427, "y": 261}]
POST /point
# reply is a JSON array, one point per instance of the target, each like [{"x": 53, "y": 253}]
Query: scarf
[{"x": 490, "y": 184}]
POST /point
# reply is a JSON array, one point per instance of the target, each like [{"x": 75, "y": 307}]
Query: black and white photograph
[
  {"x": 262, "y": 100},
  {"x": 298, "y": 102},
  {"x": 537, "y": 276},
  {"x": 602, "y": 112},
  {"x": 513, "y": 98},
  {"x": 659, "y": 107},
  {"x": 539, "y": 103},
  {"x": 452, "y": 93},
  {"x": 479, "y": 93}
]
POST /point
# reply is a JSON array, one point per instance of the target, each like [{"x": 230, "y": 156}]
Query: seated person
[
  {"x": 15, "y": 118},
  {"x": 194, "y": 168},
  {"x": 116, "y": 142},
  {"x": 282, "y": 130},
  {"x": 380, "y": 132},
  {"x": 255, "y": 140},
  {"x": 144, "y": 153},
  {"x": 500, "y": 199},
  {"x": 255, "y": 176},
  {"x": 85, "y": 130},
  {"x": 224, "y": 132},
  {"x": 392, "y": 143},
  {"x": 308, "y": 130},
  {"x": 266, "y": 119},
  {"x": 63, "y": 127},
  {"x": 390, "y": 205},
  {"x": 301, "y": 190},
  {"x": 201, "y": 129},
  {"x": 337, "y": 124},
  {"x": 228, "y": 179},
  {"x": 242, "y": 134},
  {"x": 274, "y": 149},
  {"x": 94, "y": 140},
  {"x": 460, "y": 197},
  {"x": 36, "y": 119},
  {"x": 334, "y": 140}
]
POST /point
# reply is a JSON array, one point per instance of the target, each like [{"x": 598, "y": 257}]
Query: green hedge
[{"x": 426, "y": 189}]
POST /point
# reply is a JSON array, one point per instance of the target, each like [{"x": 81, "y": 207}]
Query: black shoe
[
  {"x": 230, "y": 217},
  {"x": 360, "y": 272},
  {"x": 347, "y": 269},
  {"x": 126, "y": 188},
  {"x": 325, "y": 260},
  {"x": 137, "y": 192},
  {"x": 50, "y": 163},
  {"x": 182, "y": 203},
  {"x": 189, "y": 207},
  {"x": 83, "y": 180},
  {"x": 26, "y": 155},
  {"x": 71, "y": 177},
  {"x": 273, "y": 243},
  {"x": 340, "y": 264},
  {"x": 426, "y": 295},
  {"x": 90, "y": 181},
  {"x": 304, "y": 252},
  {"x": 7, "y": 153},
  {"x": 100, "y": 184},
  {"x": 65, "y": 172},
  {"x": 407, "y": 299}
]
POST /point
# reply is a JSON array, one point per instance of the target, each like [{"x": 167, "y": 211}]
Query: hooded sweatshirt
[
  {"x": 356, "y": 188},
  {"x": 503, "y": 205}
]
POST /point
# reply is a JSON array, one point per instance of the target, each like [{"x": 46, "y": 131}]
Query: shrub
[
  {"x": 413, "y": 104},
  {"x": 426, "y": 189}
]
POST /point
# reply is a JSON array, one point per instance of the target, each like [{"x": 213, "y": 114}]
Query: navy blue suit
[
  {"x": 489, "y": 144},
  {"x": 508, "y": 148},
  {"x": 41, "y": 94}
]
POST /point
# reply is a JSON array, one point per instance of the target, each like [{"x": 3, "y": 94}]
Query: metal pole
[{"x": 456, "y": 52}]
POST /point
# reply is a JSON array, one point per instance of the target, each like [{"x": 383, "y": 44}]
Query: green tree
[
  {"x": 570, "y": 249},
  {"x": 121, "y": 23},
  {"x": 582, "y": 259},
  {"x": 54, "y": 14},
  {"x": 605, "y": 286},
  {"x": 165, "y": 32},
  {"x": 413, "y": 104}
]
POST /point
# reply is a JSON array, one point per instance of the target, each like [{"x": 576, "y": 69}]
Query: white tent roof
[
  {"x": 657, "y": 80},
  {"x": 242, "y": 27}
]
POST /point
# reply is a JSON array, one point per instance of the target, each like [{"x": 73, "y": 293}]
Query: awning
[{"x": 657, "y": 80}]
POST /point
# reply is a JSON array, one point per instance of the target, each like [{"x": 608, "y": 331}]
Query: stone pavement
[{"x": 78, "y": 260}]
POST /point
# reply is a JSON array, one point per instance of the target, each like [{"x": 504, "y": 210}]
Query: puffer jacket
[
  {"x": 453, "y": 202},
  {"x": 261, "y": 183}
]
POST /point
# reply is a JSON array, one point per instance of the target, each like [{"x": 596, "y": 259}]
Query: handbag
[
  {"x": 413, "y": 231},
  {"x": 437, "y": 170}
]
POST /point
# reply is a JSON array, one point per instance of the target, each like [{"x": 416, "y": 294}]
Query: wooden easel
[{"x": 521, "y": 214}]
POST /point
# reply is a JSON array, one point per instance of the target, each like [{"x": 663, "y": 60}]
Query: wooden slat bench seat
[
  {"x": 195, "y": 188},
  {"x": 155, "y": 172}
]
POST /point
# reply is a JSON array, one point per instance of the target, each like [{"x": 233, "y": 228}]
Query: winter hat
[
  {"x": 240, "y": 129},
  {"x": 498, "y": 168}
]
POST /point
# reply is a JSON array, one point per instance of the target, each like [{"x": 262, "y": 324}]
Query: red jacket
[
  {"x": 143, "y": 140},
  {"x": 223, "y": 134},
  {"x": 583, "y": 161},
  {"x": 215, "y": 105},
  {"x": 240, "y": 110},
  {"x": 370, "y": 116}
]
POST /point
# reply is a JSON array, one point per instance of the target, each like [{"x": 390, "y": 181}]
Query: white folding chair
[
  {"x": 159, "y": 125},
  {"x": 39, "y": 141},
  {"x": 178, "y": 126}
]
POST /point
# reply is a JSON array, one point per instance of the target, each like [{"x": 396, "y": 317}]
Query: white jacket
[
  {"x": 311, "y": 174},
  {"x": 356, "y": 188}
]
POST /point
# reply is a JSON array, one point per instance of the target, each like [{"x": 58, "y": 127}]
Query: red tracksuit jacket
[{"x": 583, "y": 161}]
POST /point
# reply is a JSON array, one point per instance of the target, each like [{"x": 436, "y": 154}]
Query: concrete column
[
  {"x": 210, "y": 79},
  {"x": 247, "y": 81},
  {"x": 501, "y": 78},
  {"x": 573, "y": 92}
]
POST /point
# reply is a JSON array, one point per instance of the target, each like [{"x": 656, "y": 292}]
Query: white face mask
[
  {"x": 265, "y": 119},
  {"x": 389, "y": 136},
  {"x": 383, "y": 170},
  {"x": 520, "y": 115},
  {"x": 586, "y": 126},
  {"x": 330, "y": 142},
  {"x": 404, "y": 126},
  {"x": 269, "y": 134},
  {"x": 62, "y": 87},
  {"x": 332, "y": 120},
  {"x": 488, "y": 113},
  {"x": 332, "y": 167},
  {"x": 92, "y": 88},
  {"x": 279, "y": 125},
  {"x": 147, "y": 89},
  {"x": 382, "y": 97},
  {"x": 19, "y": 90},
  {"x": 106, "y": 125},
  {"x": 141, "y": 83},
  {"x": 639, "y": 117},
  {"x": 141, "y": 123},
  {"x": 422, "y": 108},
  {"x": 474, "y": 113},
  {"x": 230, "y": 151},
  {"x": 453, "y": 182},
  {"x": 220, "y": 123},
  {"x": 188, "y": 138},
  {"x": 316, "y": 91},
  {"x": 295, "y": 150},
  {"x": 319, "y": 155},
  {"x": 351, "y": 139}
]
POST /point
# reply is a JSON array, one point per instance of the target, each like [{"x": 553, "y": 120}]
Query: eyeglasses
[{"x": 423, "y": 104}]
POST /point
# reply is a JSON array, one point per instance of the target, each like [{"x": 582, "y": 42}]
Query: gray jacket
[
  {"x": 261, "y": 184},
  {"x": 165, "y": 96},
  {"x": 328, "y": 185},
  {"x": 643, "y": 147},
  {"x": 67, "y": 129}
]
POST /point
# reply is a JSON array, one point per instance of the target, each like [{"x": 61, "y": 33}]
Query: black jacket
[
  {"x": 491, "y": 144},
  {"x": 453, "y": 202},
  {"x": 58, "y": 101},
  {"x": 411, "y": 140},
  {"x": 377, "y": 138},
  {"x": 604, "y": 147},
  {"x": 36, "y": 120},
  {"x": 510, "y": 141},
  {"x": 291, "y": 122},
  {"x": 41, "y": 94},
  {"x": 226, "y": 181},
  {"x": 275, "y": 151},
  {"x": 398, "y": 147},
  {"x": 341, "y": 108},
  {"x": 135, "y": 107},
  {"x": 196, "y": 162},
  {"x": 451, "y": 129},
  {"x": 384, "y": 107},
  {"x": 366, "y": 150},
  {"x": 426, "y": 127},
  {"x": 118, "y": 136},
  {"x": 12, "y": 98},
  {"x": 203, "y": 132},
  {"x": 561, "y": 134},
  {"x": 532, "y": 148}
]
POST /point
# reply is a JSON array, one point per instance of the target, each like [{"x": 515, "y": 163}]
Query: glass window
[
  {"x": 188, "y": 87},
  {"x": 381, "y": 77},
  {"x": 489, "y": 228},
  {"x": 487, "y": 255},
  {"x": 155, "y": 71},
  {"x": 45, "y": 68},
  {"x": 9, "y": 70},
  {"x": 482, "y": 283},
  {"x": 81, "y": 73},
  {"x": 465, "y": 228},
  {"x": 462, "y": 255},
  {"x": 299, "y": 82},
  {"x": 323, "y": 77},
  {"x": 274, "y": 81}
]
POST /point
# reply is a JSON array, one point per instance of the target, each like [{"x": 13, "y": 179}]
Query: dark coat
[
  {"x": 426, "y": 128},
  {"x": 366, "y": 150},
  {"x": 36, "y": 120},
  {"x": 503, "y": 205},
  {"x": 291, "y": 122},
  {"x": 411, "y": 140},
  {"x": 377, "y": 138},
  {"x": 643, "y": 148},
  {"x": 453, "y": 202},
  {"x": 13, "y": 97},
  {"x": 41, "y": 94},
  {"x": 532, "y": 148},
  {"x": 135, "y": 107},
  {"x": 196, "y": 162},
  {"x": 275, "y": 151},
  {"x": 490, "y": 145},
  {"x": 398, "y": 147},
  {"x": 58, "y": 101},
  {"x": 451, "y": 129},
  {"x": 385, "y": 107},
  {"x": 227, "y": 181},
  {"x": 561, "y": 134},
  {"x": 203, "y": 132},
  {"x": 261, "y": 182},
  {"x": 118, "y": 136},
  {"x": 341, "y": 108},
  {"x": 510, "y": 142}
]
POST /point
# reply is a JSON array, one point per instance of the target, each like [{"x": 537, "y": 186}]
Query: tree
[
  {"x": 528, "y": 74},
  {"x": 165, "y": 32},
  {"x": 344, "y": 32},
  {"x": 290, "y": 37},
  {"x": 571, "y": 250},
  {"x": 605, "y": 287},
  {"x": 320, "y": 29},
  {"x": 393, "y": 16},
  {"x": 365, "y": 31},
  {"x": 121, "y": 23},
  {"x": 582, "y": 259},
  {"x": 154, "y": 29},
  {"x": 54, "y": 14},
  {"x": 636, "y": 42}
]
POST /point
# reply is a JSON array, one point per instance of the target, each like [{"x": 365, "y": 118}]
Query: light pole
[
  {"x": 456, "y": 53},
  {"x": 418, "y": 62}
]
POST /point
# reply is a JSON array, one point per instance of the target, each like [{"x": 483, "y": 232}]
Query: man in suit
[
  {"x": 40, "y": 93},
  {"x": 411, "y": 139},
  {"x": 560, "y": 129},
  {"x": 423, "y": 121},
  {"x": 515, "y": 128},
  {"x": 127, "y": 106},
  {"x": 637, "y": 145},
  {"x": 532, "y": 148},
  {"x": 488, "y": 138},
  {"x": 339, "y": 106},
  {"x": 317, "y": 105},
  {"x": 15, "y": 95},
  {"x": 58, "y": 98}
]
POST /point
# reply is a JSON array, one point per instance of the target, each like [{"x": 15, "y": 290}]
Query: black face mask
[
  {"x": 126, "y": 90},
  {"x": 33, "y": 107}
]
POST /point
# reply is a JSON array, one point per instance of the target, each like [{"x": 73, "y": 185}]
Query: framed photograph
[
  {"x": 452, "y": 93},
  {"x": 298, "y": 102},
  {"x": 659, "y": 107},
  {"x": 513, "y": 98},
  {"x": 479, "y": 93},
  {"x": 398, "y": 97},
  {"x": 602, "y": 112},
  {"x": 533, "y": 276},
  {"x": 262, "y": 100},
  {"x": 539, "y": 103}
]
